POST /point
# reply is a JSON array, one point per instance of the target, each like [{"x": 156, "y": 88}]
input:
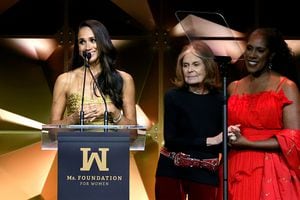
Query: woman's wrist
[
  {"x": 118, "y": 118},
  {"x": 210, "y": 141},
  {"x": 72, "y": 119}
]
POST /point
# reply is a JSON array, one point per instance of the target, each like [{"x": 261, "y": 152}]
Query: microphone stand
[
  {"x": 225, "y": 133},
  {"x": 223, "y": 62},
  {"x": 100, "y": 91},
  {"x": 81, "y": 115}
]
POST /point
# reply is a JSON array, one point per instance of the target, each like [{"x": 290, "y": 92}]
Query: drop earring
[{"x": 270, "y": 66}]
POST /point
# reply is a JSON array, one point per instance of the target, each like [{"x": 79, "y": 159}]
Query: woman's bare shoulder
[
  {"x": 290, "y": 88},
  {"x": 233, "y": 86},
  {"x": 126, "y": 76},
  {"x": 67, "y": 77}
]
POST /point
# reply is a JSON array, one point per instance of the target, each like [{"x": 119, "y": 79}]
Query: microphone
[
  {"x": 81, "y": 114},
  {"x": 87, "y": 57}
]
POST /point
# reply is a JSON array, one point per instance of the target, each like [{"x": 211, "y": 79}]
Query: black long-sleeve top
[{"x": 188, "y": 120}]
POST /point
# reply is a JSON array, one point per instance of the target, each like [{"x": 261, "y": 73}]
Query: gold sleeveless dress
[{"x": 74, "y": 104}]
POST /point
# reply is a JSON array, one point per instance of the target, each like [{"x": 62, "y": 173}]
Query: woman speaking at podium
[{"x": 94, "y": 90}]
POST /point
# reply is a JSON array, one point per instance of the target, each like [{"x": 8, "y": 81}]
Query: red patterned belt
[{"x": 184, "y": 160}]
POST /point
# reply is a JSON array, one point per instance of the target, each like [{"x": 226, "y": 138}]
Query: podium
[{"x": 93, "y": 160}]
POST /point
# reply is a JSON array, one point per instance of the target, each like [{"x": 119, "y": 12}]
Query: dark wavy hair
[
  {"x": 204, "y": 52},
  {"x": 109, "y": 80}
]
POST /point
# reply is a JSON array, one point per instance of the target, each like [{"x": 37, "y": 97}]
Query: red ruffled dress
[{"x": 261, "y": 175}]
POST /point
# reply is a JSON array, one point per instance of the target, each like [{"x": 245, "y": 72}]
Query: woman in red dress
[{"x": 264, "y": 156}]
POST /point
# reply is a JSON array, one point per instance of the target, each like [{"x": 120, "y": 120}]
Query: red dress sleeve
[{"x": 289, "y": 141}]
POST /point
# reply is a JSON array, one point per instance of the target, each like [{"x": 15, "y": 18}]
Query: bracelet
[{"x": 118, "y": 119}]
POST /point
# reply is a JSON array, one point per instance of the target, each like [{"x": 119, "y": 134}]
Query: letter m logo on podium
[
  {"x": 87, "y": 162},
  {"x": 93, "y": 165}
]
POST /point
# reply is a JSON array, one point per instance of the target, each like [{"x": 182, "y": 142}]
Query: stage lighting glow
[
  {"x": 221, "y": 39},
  {"x": 142, "y": 118},
  {"x": 120, "y": 43},
  {"x": 196, "y": 26},
  {"x": 18, "y": 119},
  {"x": 294, "y": 45},
  {"x": 143, "y": 14},
  {"x": 35, "y": 48}
]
